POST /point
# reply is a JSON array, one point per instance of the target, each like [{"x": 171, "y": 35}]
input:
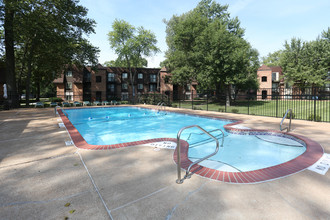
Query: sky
[{"x": 267, "y": 23}]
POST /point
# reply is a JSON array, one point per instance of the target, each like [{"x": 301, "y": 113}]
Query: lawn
[{"x": 302, "y": 109}]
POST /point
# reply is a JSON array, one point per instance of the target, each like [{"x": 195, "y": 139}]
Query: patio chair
[
  {"x": 53, "y": 104},
  {"x": 66, "y": 104},
  {"x": 97, "y": 103},
  {"x": 114, "y": 102},
  {"x": 105, "y": 103},
  {"x": 86, "y": 103},
  {"x": 76, "y": 103},
  {"x": 40, "y": 105}
]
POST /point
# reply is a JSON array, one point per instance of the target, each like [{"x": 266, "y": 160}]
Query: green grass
[{"x": 302, "y": 109}]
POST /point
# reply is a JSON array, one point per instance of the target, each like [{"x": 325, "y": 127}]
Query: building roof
[{"x": 271, "y": 68}]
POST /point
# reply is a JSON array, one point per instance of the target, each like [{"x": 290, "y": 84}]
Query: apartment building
[
  {"x": 271, "y": 81},
  {"x": 112, "y": 83}
]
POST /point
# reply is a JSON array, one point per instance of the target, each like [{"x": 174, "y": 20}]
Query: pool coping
[{"x": 313, "y": 153}]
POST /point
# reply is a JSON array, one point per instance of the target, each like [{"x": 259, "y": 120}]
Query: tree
[
  {"x": 273, "y": 59},
  {"x": 131, "y": 44},
  {"x": 206, "y": 45},
  {"x": 49, "y": 36},
  {"x": 306, "y": 64},
  {"x": 9, "y": 11}
]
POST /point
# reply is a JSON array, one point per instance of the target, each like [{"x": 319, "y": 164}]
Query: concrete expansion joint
[
  {"x": 191, "y": 193},
  {"x": 44, "y": 201}
]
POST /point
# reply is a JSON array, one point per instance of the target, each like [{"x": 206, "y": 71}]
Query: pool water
[{"x": 107, "y": 126}]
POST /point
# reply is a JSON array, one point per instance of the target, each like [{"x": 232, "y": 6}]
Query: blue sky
[{"x": 267, "y": 23}]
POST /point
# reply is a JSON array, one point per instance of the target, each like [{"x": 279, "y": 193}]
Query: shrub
[
  {"x": 288, "y": 115},
  {"x": 221, "y": 110},
  {"x": 311, "y": 117},
  {"x": 174, "y": 105},
  {"x": 124, "y": 102},
  {"x": 55, "y": 99},
  {"x": 234, "y": 110}
]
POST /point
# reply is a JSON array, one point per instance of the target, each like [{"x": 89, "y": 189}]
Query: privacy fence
[{"x": 307, "y": 104}]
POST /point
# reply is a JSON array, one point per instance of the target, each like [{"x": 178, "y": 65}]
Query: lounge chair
[
  {"x": 40, "y": 105},
  {"x": 66, "y": 104},
  {"x": 97, "y": 103},
  {"x": 53, "y": 104},
  {"x": 76, "y": 103},
  {"x": 86, "y": 103},
  {"x": 114, "y": 102},
  {"x": 105, "y": 103}
]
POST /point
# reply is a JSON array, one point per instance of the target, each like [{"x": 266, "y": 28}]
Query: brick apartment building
[
  {"x": 271, "y": 81},
  {"x": 113, "y": 83}
]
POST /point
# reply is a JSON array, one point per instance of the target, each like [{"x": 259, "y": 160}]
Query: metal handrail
[
  {"x": 59, "y": 107},
  {"x": 160, "y": 105},
  {"x": 287, "y": 128},
  {"x": 178, "y": 148}
]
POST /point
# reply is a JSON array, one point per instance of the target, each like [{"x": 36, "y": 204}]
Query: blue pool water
[{"x": 106, "y": 126}]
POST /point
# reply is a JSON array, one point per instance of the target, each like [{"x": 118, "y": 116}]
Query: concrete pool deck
[{"x": 42, "y": 178}]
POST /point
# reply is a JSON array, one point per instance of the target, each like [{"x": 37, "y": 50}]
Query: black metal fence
[{"x": 307, "y": 104}]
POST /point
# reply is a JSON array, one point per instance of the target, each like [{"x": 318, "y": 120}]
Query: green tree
[
  {"x": 131, "y": 44},
  {"x": 273, "y": 59},
  {"x": 306, "y": 64},
  {"x": 49, "y": 35},
  {"x": 206, "y": 45}
]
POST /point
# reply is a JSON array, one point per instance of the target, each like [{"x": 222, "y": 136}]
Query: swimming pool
[{"x": 244, "y": 151}]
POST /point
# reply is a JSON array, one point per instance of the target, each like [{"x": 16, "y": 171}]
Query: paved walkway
[{"x": 42, "y": 178}]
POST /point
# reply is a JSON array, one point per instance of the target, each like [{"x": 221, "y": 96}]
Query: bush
[
  {"x": 288, "y": 115},
  {"x": 311, "y": 117},
  {"x": 221, "y": 110},
  {"x": 234, "y": 110},
  {"x": 55, "y": 99},
  {"x": 124, "y": 102},
  {"x": 174, "y": 105}
]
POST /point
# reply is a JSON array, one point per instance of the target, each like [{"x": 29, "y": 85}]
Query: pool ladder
[
  {"x": 287, "y": 128},
  {"x": 161, "y": 106},
  {"x": 178, "y": 149}
]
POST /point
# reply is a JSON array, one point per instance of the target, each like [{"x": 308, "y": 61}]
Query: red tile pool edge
[{"x": 313, "y": 153}]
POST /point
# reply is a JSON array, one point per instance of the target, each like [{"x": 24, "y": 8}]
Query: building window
[
  {"x": 153, "y": 78},
  {"x": 68, "y": 73},
  {"x": 264, "y": 79},
  {"x": 111, "y": 88},
  {"x": 98, "y": 79},
  {"x": 140, "y": 86},
  {"x": 188, "y": 87},
  {"x": 152, "y": 87},
  {"x": 68, "y": 85},
  {"x": 124, "y": 96},
  {"x": 275, "y": 76},
  {"x": 111, "y": 77},
  {"x": 124, "y": 75},
  {"x": 124, "y": 86},
  {"x": 69, "y": 96},
  {"x": 140, "y": 75}
]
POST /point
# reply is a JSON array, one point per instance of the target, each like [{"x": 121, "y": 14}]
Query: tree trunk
[
  {"x": 228, "y": 95},
  {"x": 10, "y": 55}
]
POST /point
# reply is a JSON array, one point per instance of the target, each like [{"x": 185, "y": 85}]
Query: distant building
[
  {"x": 271, "y": 82},
  {"x": 113, "y": 83}
]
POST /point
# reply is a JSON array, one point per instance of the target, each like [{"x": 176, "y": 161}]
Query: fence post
[
  {"x": 207, "y": 100},
  {"x": 314, "y": 96},
  {"x": 192, "y": 99},
  {"x": 276, "y": 106}
]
